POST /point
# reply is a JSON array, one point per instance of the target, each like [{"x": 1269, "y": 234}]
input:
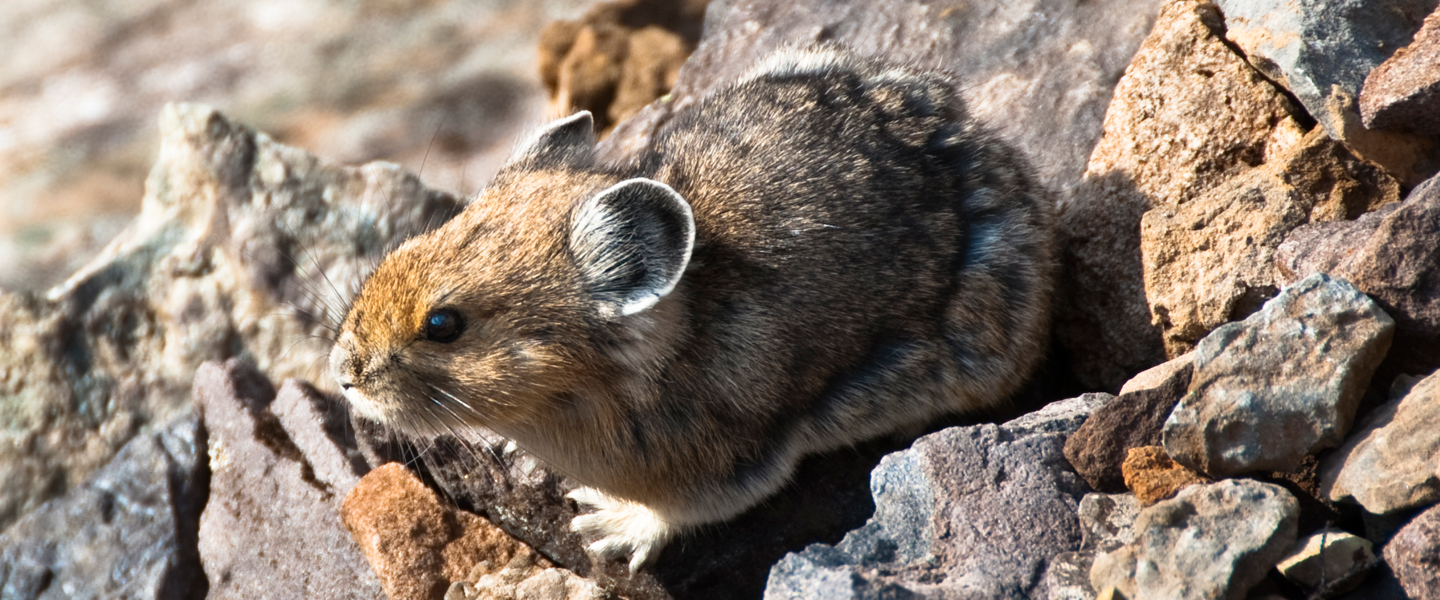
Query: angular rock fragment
[
  {"x": 128, "y": 532},
  {"x": 244, "y": 248},
  {"x": 1404, "y": 92},
  {"x": 523, "y": 578},
  {"x": 1098, "y": 448},
  {"x": 1210, "y": 260},
  {"x": 1188, "y": 115},
  {"x": 417, "y": 545},
  {"x": 1391, "y": 462},
  {"x": 1107, "y": 521},
  {"x": 1179, "y": 367},
  {"x": 1329, "y": 561},
  {"x": 1321, "y": 50},
  {"x": 968, "y": 512},
  {"x": 1282, "y": 384},
  {"x": 1153, "y": 477},
  {"x": 1211, "y": 541},
  {"x": 1414, "y": 555},
  {"x": 272, "y": 526}
]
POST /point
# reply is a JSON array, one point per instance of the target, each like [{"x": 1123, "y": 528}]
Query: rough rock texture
[
  {"x": 618, "y": 57},
  {"x": 1404, "y": 92},
  {"x": 1153, "y": 477},
  {"x": 417, "y": 545},
  {"x": 1330, "y": 560},
  {"x": 1211, "y": 541},
  {"x": 1392, "y": 255},
  {"x": 523, "y": 579},
  {"x": 1282, "y": 384},
  {"x": 1107, "y": 521},
  {"x": 1210, "y": 260},
  {"x": 128, "y": 532},
  {"x": 1391, "y": 461},
  {"x": 1414, "y": 555},
  {"x": 968, "y": 512},
  {"x": 1161, "y": 374},
  {"x": 440, "y": 87},
  {"x": 245, "y": 248},
  {"x": 1321, "y": 50},
  {"x": 1188, "y": 115},
  {"x": 1098, "y": 447},
  {"x": 278, "y": 473}
]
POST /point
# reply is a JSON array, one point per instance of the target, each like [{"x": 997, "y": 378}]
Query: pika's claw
[{"x": 624, "y": 528}]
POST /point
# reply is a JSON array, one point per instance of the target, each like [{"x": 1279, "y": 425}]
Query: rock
[
  {"x": 1188, "y": 115},
  {"x": 242, "y": 250},
  {"x": 968, "y": 512},
  {"x": 272, "y": 526},
  {"x": 1153, "y": 477},
  {"x": 524, "y": 579},
  {"x": 1282, "y": 384},
  {"x": 1414, "y": 555},
  {"x": 1404, "y": 91},
  {"x": 1068, "y": 576},
  {"x": 128, "y": 532},
  {"x": 1107, "y": 521},
  {"x": 418, "y": 546},
  {"x": 1210, "y": 260},
  {"x": 1321, "y": 50},
  {"x": 1210, "y": 541},
  {"x": 618, "y": 57},
  {"x": 1098, "y": 448},
  {"x": 1330, "y": 561},
  {"x": 1392, "y": 461},
  {"x": 1392, "y": 256},
  {"x": 1160, "y": 374},
  {"x": 442, "y": 88}
]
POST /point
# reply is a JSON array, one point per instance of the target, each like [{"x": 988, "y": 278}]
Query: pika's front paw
[{"x": 624, "y": 528}]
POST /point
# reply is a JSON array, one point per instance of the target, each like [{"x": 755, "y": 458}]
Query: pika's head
[{"x": 498, "y": 316}]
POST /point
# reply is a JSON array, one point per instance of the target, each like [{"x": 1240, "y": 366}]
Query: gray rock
[
  {"x": 1329, "y": 561},
  {"x": 1282, "y": 384},
  {"x": 1392, "y": 461},
  {"x": 1323, "y": 49},
  {"x": 1414, "y": 555},
  {"x": 1068, "y": 576},
  {"x": 244, "y": 248},
  {"x": 1211, "y": 541},
  {"x": 128, "y": 532},
  {"x": 272, "y": 526},
  {"x": 968, "y": 512},
  {"x": 1107, "y": 521}
]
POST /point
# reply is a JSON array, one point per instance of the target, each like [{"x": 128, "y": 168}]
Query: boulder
[
  {"x": 1282, "y": 384},
  {"x": 1404, "y": 91},
  {"x": 1391, "y": 462},
  {"x": 1211, "y": 541}
]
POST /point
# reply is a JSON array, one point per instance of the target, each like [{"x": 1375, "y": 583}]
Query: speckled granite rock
[
  {"x": 272, "y": 525},
  {"x": 128, "y": 532},
  {"x": 1404, "y": 91},
  {"x": 1414, "y": 555},
  {"x": 1282, "y": 384},
  {"x": 244, "y": 248}
]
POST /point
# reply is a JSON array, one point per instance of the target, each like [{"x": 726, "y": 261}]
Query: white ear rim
[{"x": 687, "y": 214}]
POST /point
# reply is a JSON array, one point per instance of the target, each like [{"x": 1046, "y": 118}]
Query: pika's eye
[{"x": 442, "y": 325}]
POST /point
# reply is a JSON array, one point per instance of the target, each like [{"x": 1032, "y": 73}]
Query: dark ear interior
[
  {"x": 564, "y": 142},
  {"x": 632, "y": 243}
]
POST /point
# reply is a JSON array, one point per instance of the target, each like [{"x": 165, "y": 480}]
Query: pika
[{"x": 824, "y": 251}]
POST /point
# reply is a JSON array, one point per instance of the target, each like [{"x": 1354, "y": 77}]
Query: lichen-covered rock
[
  {"x": 419, "y": 546},
  {"x": 1153, "y": 477},
  {"x": 272, "y": 525},
  {"x": 1282, "y": 384},
  {"x": 128, "y": 532},
  {"x": 1210, "y": 542},
  {"x": 1329, "y": 561},
  {"x": 1404, "y": 91},
  {"x": 1393, "y": 255},
  {"x": 1188, "y": 115},
  {"x": 968, "y": 512},
  {"x": 1321, "y": 50},
  {"x": 1391, "y": 462},
  {"x": 1210, "y": 260},
  {"x": 1414, "y": 555},
  {"x": 245, "y": 248}
]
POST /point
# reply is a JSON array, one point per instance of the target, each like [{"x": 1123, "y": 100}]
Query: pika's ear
[
  {"x": 632, "y": 243},
  {"x": 564, "y": 142}
]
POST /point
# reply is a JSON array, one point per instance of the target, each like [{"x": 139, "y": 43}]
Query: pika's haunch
[{"x": 825, "y": 251}]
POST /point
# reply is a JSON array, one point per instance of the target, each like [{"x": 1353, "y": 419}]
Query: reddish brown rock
[
  {"x": 1188, "y": 115},
  {"x": 1099, "y": 447},
  {"x": 417, "y": 545},
  {"x": 1153, "y": 477},
  {"x": 1414, "y": 555},
  {"x": 1404, "y": 92}
]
